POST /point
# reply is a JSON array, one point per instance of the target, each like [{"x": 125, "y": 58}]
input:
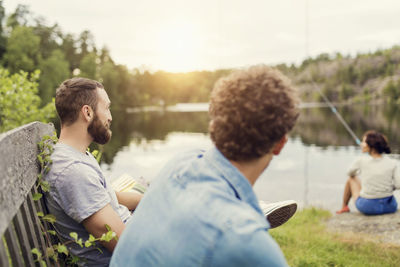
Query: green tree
[
  {"x": 19, "y": 17},
  {"x": 391, "y": 91},
  {"x": 19, "y": 102},
  {"x": 22, "y": 50},
  {"x": 48, "y": 37},
  {"x": 85, "y": 44},
  {"x": 68, "y": 46},
  {"x": 54, "y": 70},
  {"x": 345, "y": 92},
  {"x": 88, "y": 66},
  {"x": 2, "y": 37}
]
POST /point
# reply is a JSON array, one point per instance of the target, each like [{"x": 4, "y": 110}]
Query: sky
[{"x": 186, "y": 35}]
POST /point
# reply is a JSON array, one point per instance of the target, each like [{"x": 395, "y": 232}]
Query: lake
[{"x": 311, "y": 169}]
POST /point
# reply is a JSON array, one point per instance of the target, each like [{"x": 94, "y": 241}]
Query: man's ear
[
  {"x": 279, "y": 145},
  {"x": 87, "y": 113}
]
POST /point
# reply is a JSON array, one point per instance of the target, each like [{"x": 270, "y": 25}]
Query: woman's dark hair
[{"x": 377, "y": 142}]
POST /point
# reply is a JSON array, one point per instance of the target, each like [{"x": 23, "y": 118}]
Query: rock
[{"x": 380, "y": 228}]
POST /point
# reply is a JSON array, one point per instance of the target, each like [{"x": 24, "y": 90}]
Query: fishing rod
[{"x": 334, "y": 110}]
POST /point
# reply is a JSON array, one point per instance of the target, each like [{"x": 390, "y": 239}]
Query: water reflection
[
  {"x": 316, "y": 126},
  {"x": 147, "y": 126},
  {"x": 311, "y": 169}
]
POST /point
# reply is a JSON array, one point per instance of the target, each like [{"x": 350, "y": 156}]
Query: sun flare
[{"x": 178, "y": 48}]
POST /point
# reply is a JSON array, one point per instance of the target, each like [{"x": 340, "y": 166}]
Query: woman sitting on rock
[{"x": 373, "y": 178}]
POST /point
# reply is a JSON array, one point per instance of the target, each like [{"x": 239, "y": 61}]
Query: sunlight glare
[{"x": 178, "y": 48}]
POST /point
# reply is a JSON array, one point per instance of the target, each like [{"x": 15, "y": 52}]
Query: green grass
[{"x": 305, "y": 242}]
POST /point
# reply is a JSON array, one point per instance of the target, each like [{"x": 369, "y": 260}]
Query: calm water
[{"x": 311, "y": 169}]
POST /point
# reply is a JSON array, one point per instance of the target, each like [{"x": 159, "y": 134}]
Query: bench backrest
[{"x": 19, "y": 226}]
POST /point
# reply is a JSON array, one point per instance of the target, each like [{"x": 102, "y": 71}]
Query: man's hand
[
  {"x": 129, "y": 199},
  {"x": 95, "y": 224}
]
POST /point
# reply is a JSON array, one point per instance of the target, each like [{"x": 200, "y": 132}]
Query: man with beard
[{"x": 80, "y": 197}]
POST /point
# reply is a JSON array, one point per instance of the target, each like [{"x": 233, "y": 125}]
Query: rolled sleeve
[{"x": 80, "y": 192}]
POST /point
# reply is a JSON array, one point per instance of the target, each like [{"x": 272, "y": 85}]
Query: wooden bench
[{"x": 19, "y": 225}]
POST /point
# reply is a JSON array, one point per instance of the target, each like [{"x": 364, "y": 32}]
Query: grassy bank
[{"x": 305, "y": 242}]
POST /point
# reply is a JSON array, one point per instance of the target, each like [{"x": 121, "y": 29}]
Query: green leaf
[
  {"x": 98, "y": 157},
  {"x": 46, "y": 170},
  {"x": 40, "y": 160},
  {"x": 40, "y": 214},
  {"x": 74, "y": 235},
  {"x": 36, "y": 252},
  {"x": 107, "y": 237},
  {"x": 107, "y": 227},
  {"x": 62, "y": 249},
  {"x": 43, "y": 263},
  {"x": 50, "y": 251},
  {"x": 95, "y": 153},
  {"x": 74, "y": 259},
  {"x": 103, "y": 237},
  {"x": 45, "y": 186},
  {"x": 49, "y": 218},
  {"x": 88, "y": 243},
  {"x": 92, "y": 238},
  {"x": 79, "y": 242},
  {"x": 36, "y": 196},
  {"x": 52, "y": 232}
]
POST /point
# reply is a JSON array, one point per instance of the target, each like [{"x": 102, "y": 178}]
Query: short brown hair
[
  {"x": 250, "y": 111},
  {"x": 377, "y": 141},
  {"x": 72, "y": 95}
]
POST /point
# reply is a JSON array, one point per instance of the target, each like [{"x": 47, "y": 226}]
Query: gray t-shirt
[
  {"x": 78, "y": 189},
  {"x": 379, "y": 176}
]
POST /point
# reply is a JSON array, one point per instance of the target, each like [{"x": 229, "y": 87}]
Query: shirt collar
[{"x": 234, "y": 177}]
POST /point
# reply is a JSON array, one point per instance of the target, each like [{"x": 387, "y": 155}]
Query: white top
[{"x": 379, "y": 176}]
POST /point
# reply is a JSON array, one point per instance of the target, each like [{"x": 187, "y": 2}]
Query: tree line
[{"x": 41, "y": 56}]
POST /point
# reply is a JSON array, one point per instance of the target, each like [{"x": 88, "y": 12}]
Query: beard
[{"x": 100, "y": 133}]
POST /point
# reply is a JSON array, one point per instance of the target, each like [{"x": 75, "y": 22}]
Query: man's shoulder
[
  {"x": 66, "y": 170},
  {"x": 187, "y": 155}
]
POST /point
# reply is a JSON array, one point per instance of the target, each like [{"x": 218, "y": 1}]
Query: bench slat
[
  {"x": 40, "y": 207},
  {"x": 3, "y": 255},
  {"x": 22, "y": 234},
  {"x": 36, "y": 225},
  {"x": 34, "y": 236},
  {"x": 28, "y": 222},
  {"x": 13, "y": 246}
]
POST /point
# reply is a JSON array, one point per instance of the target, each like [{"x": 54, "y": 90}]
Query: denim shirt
[{"x": 199, "y": 211}]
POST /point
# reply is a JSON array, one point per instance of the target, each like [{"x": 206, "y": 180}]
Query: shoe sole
[{"x": 281, "y": 215}]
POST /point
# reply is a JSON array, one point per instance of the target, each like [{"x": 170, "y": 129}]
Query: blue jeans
[{"x": 376, "y": 206}]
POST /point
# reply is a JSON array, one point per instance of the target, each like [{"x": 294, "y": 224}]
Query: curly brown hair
[
  {"x": 377, "y": 141},
  {"x": 250, "y": 111},
  {"x": 72, "y": 95}
]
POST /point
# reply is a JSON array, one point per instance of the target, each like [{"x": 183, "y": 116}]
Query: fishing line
[{"x": 334, "y": 110}]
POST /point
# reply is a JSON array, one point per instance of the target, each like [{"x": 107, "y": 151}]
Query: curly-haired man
[{"x": 201, "y": 210}]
